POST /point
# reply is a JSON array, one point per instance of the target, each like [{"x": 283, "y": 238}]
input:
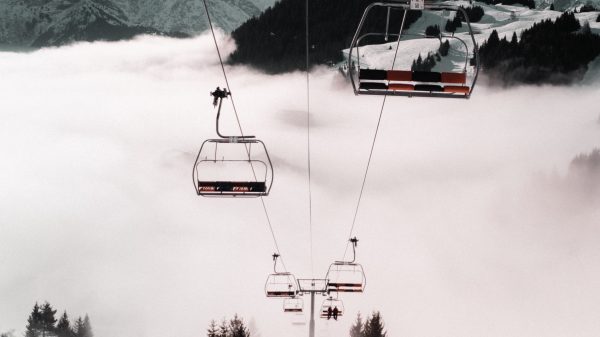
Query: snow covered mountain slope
[
  {"x": 263, "y": 4},
  {"x": 505, "y": 19},
  {"x": 188, "y": 16},
  {"x": 564, "y": 5},
  {"x": 88, "y": 20},
  {"x": 55, "y": 22}
]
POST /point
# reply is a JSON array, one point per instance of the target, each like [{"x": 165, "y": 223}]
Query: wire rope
[
  {"x": 264, "y": 206},
  {"x": 310, "y": 223},
  {"x": 362, "y": 188}
]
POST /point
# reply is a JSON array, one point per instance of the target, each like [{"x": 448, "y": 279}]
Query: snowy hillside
[
  {"x": 505, "y": 19},
  {"x": 25, "y": 23},
  {"x": 188, "y": 16},
  {"x": 567, "y": 4}
]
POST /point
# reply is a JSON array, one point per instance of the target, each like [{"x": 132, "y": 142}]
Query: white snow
[{"x": 505, "y": 19}]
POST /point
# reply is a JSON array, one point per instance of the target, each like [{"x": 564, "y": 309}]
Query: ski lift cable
[
  {"x": 362, "y": 188},
  {"x": 310, "y": 224},
  {"x": 270, "y": 225}
]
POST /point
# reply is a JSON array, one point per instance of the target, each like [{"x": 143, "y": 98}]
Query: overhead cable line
[
  {"x": 362, "y": 188},
  {"x": 270, "y": 225},
  {"x": 308, "y": 141}
]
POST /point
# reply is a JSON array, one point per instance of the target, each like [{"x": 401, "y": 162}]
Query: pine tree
[
  {"x": 48, "y": 320},
  {"x": 444, "y": 48},
  {"x": 432, "y": 31},
  {"x": 224, "y": 329},
  {"x": 237, "y": 327},
  {"x": 79, "y": 328},
  {"x": 357, "y": 328},
  {"x": 552, "y": 7},
  {"x": 87, "y": 327},
  {"x": 366, "y": 331},
  {"x": 374, "y": 326},
  {"x": 449, "y": 27},
  {"x": 34, "y": 322},
  {"x": 212, "y": 330},
  {"x": 63, "y": 328}
]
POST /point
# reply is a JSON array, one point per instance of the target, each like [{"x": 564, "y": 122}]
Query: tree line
[
  {"x": 527, "y": 3},
  {"x": 234, "y": 327},
  {"x": 555, "y": 52},
  {"x": 275, "y": 41},
  {"x": 42, "y": 322},
  {"x": 372, "y": 327}
]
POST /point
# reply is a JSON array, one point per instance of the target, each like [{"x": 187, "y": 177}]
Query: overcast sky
[{"x": 464, "y": 227}]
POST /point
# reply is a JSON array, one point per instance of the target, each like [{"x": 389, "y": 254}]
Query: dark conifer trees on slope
[
  {"x": 232, "y": 328},
  {"x": 48, "y": 320},
  {"x": 549, "y": 52},
  {"x": 63, "y": 328},
  {"x": 34, "y": 322},
  {"x": 372, "y": 327},
  {"x": 275, "y": 40},
  {"x": 43, "y": 323}
]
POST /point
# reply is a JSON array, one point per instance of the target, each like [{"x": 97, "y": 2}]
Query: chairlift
[
  {"x": 232, "y": 166},
  {"x": 332, "y": 303},
  {"x": 456, "y": 83},
  {"x": 280, "y": 284},
  {"x": 293, "y": 304},
  {"x": 346, "y": 276}
]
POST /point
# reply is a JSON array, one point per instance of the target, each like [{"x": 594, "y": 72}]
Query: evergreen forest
[
  {"x": 373, "y": 326},
  {"x": 234, "y": 327},
  {"x": 43, "y": 322},
  {"x": 275, "y": 41},
  {"x": 553, "y": 52}
]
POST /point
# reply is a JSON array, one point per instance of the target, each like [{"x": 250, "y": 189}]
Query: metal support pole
[{"x": 311, "y": 332}]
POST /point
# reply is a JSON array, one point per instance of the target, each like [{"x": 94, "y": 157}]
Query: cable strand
[
  {"x": 264, "y": 206},
  {"x": 362, "y": 188},
  {"x": 310, "y": 223}
]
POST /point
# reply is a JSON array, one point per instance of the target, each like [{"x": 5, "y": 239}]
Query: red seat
[
  {"x": 399, "y": 75},
  {"x": 454, "y": 78},
  {"x": 401, "y": 87},
  {"x": 457, "y": 89}
]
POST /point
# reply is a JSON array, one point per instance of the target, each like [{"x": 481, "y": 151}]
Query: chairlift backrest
[
  {"x": 295, "y": 304},
  {"x": 390, "y": 81},
  {"x": 281, "y": 285},
  {"x": 332, "y": 303},
  {"x": 346, "y": 277}
]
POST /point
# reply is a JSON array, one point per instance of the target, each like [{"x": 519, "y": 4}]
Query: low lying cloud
[{"x": 475, "y": 219}]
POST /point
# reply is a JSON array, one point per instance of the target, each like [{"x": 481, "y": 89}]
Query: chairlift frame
[
  {"x": 275, "y": 287},
  {"x": 420, "y": 84},
  {"x": 210, "y": 188},
  {"x": 347, "y": 266},
  {"x": 331, "y": 302},
  {"x": 293, "y": 305}
]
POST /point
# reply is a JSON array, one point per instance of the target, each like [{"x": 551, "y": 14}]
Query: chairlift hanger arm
[
  {"x": 219, "y": 95},
  {"x": 275, "y": 256}
]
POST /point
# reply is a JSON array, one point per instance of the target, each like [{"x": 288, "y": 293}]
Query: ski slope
[{"x": 505, "y": 19}]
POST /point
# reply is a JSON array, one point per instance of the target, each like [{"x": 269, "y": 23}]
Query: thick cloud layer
[{"x": 466, "y": 225}]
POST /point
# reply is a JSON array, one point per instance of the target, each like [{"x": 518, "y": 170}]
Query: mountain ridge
[{"x": 39, "y": 23}]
